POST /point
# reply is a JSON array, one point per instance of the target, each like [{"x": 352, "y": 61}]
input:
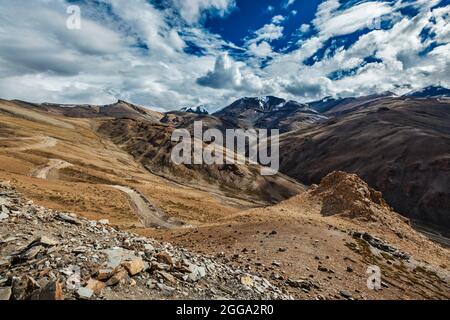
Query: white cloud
[
  {"x": 330, "y": 22},
  {"x": 288, "y": 3},
  {"x": 304, "y": 28},
  {"x": 227, "y": 75},
  {"x": 261, "y": 50},
  {"x": 140, "y": 54},
  {"x": 278, "y": 19},
  {"x": 192, "y": 10},
  {"x": 268, "y": 32}
]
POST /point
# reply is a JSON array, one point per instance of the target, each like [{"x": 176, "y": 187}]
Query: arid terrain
[{"x": 309, "y": 241}]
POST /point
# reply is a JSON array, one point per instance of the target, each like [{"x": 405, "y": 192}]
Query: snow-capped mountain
[
  {"x": 269, "y": 112},
  {"x": 430, "y": 92},
  {"x": 198, "y": 110}
]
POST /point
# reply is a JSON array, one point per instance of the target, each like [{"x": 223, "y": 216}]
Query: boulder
[
  {"x": 52, "y": 291},
  {"x": 119, "y": 277},
  {"x": 104, "y": 274},
  {"x": 85, "y": 293},
  {"x": 96, "y": 286},
  {"x": 68, "y": 219},
  {"x": 134, "y": 266},
  {"x": 164, "y": 257},
  {"x": 167, "y": 276}
]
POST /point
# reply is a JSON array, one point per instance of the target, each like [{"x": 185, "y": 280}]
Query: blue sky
[{"x": 169, "y": 54}]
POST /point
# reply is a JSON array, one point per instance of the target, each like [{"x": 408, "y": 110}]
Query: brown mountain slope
[
  {"x": 151, "y": 145},
  {"x": 120, "y": 109},
  {"x": 308, "y": 255},
  {"x": 400, "y": 147},
  {"x": 269, "y": 113},
  {"x": 320, "y": 244}
]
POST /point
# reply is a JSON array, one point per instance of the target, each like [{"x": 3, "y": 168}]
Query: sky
[{"x": 168, "y": 54}]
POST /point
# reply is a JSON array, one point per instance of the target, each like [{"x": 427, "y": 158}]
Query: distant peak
[
  {"x": 432, "y": 91},
  {"x": 198, "y": 110}
]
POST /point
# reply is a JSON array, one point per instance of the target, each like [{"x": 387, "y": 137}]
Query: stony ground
[{"x": 51, "y": 255}]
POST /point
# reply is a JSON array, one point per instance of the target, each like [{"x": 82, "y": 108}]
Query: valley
[{"x": 312, "y": 230}]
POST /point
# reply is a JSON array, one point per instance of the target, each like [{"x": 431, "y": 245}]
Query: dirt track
[
  {"x": 53, "y": 164},
  {"x": 148, "y": 214},
  {"x": 45, "y": 142}
]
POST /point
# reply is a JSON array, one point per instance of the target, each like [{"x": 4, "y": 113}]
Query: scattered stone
[
  {"x": 5, "y": 293},
  {"x": 197, "y": 273},
  {"x": 164, "y": 257},
  {"x": 166, "y": 290},
  {"x": 276, "y": 263},
  {"x": 346, "y": 294},
  {"x": 4, "y": 264},
  {"x": 273, "y": 233},
  {"x": 150, "y": 284},
  {"x": 323, "y": 269},
  {"x": 381, "y": 245},
  {"x": 116, "y": 256},
  {"x": 68, "y": 219},
  {"x": 96, "y": 286},
  {"x": 23, "y": 287},
  {"x": 3, "y": 216},
  {"x": 85, "y": 293},
  {"x": 167, "y": 276},
  {"x": 45, "y": 241},
  {"x": 26, "y": 255},
  {"x": 103, "y": 222},
  {"x": 104, "y": 274},
  {"x": 303, "y": 284},
  {"x": 108, "y": 257},
  {"x": 134, "y": 266},
  {"x": 52, "y": 291},
  {"x": 119, "y": 277},
  {"x": 247, "y": 281}
]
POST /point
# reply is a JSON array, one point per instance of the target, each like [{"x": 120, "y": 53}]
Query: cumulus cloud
[
  {"x": 227, "y": 75},
  {"x": 261, "y": 50},
  {"x": 308, "y": 88}
]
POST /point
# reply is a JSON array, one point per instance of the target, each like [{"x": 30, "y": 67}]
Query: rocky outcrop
[
  {"x": 399, "y": 147},
  {"x": 348, "y": 196}
]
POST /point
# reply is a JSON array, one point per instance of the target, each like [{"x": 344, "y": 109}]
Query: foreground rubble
[{"x": 49, "y": 255}]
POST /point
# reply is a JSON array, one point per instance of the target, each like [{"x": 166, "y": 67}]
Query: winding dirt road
[
  {"x": 149, "y": 215},
  {"x": 52, "y": 165},
  {"x": 45, "y": 142}
]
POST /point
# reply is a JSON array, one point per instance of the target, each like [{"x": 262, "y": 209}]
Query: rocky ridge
[{"x": 50, "y": 255}]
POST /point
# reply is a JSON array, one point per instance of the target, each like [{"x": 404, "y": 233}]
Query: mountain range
[
  {"x": 363, "y": 181},
  {"x": 380, "y": 137}
]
